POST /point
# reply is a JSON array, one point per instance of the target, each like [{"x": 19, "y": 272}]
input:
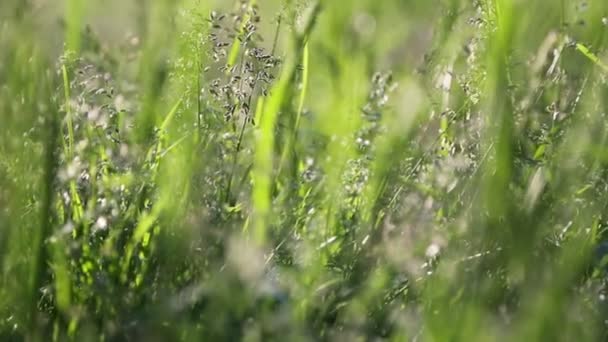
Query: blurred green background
[{"x": 303, "y": 170}]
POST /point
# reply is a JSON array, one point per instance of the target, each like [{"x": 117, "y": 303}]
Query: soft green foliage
[{"x": 303, "y": 170}]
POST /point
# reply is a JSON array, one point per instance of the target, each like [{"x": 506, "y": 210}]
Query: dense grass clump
[{"x": 303, "y": 170}]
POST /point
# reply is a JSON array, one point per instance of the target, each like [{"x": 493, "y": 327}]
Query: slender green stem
[
  {"x": 592, "y": 57},
  {"x": 305, "y": 71},
  {"x": 68, "y": 111}
]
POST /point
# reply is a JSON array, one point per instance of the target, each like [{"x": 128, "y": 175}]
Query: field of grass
[{"x": 303, "y": 170}]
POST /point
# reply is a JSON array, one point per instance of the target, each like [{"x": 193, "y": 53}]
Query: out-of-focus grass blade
[
  {"x": 74, "y": 18},
  {"x": 236, "y": 43},
  {"x": 305, "y": 71},
  {"x": 264, "y": 156}
]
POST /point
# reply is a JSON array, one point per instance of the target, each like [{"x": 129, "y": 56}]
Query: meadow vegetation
[{"x": 299, "y": 170}]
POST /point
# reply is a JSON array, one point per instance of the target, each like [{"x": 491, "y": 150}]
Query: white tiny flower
[
  {"x": 432, "y": 250},
  {"x": 93, "y": 114},
  {"x": 101, "y": 223}
]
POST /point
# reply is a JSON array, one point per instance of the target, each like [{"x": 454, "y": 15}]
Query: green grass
[{"x": 303, "y": 170}]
